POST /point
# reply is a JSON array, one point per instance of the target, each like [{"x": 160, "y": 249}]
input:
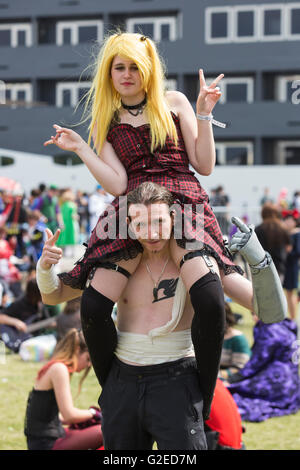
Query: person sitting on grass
[
  {"x": 236, "y": 350},
  {"x": 50, "y": 403},
  {"x": 28, "y": 306},
  {"x": 69, "y": 318},
  {"x": 14, "y": 322}
]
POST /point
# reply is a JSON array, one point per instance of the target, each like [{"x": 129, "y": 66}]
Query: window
[
  {"x": 76, "y": 32},
  {"x": 235, "y": 89},
  {"x": 287, "y": 152},
  {"x": 5, "y": 161},
  {"x": 70, "y": 93},
  {"x": 246, "y": 23},
  {"x": 234, "y": 153},
  {"x": 286, "y": 87},
  {"x": 16, "y": 35},
  {"x": 293, "y": 21},
  {"x": 18, "y": 93},
  {"x": 67, "y": 159},
  {"x": 272, "y": 23},
  {"x": 157, "y": 28},
  {"x": 218, "y": 23}
]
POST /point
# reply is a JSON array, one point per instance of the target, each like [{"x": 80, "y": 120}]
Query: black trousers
[{"x": 143, "y": 404}]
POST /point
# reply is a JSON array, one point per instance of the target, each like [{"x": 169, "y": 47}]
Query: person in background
[
  {"x": 69, "y": 236},
  {"x": 3, "y": 295},
  {"x": 221, "y": 199},
  {"x": 50, "y": 403},
  {"x": 28, "y": 306},
  {"x": 296, "y": 201},
  {"x": 32, "y": 198},
  {"x": 224, "y": 427},
  {"x": 69, "y": 318},
  {"x": 269, "y": 384},
  {"x": 15, "y": 222},
  {"x": 236, "y": 350},
  {"x": 36, "y": 236},
  {"x": 82, "y": 201},
  {"x": 47, "y": 204},
  {"x": 10, "y": 275},
  {"x": 282, "y": 200},
  {"x": 14, "y": 322},
  {"x": 274, "y": 237},
  {"x": 291, "y": 220},
  {"x": 266, "y": 197},
  {"x": 97, "y": 203},
  {"x": 2, "y": 205}
]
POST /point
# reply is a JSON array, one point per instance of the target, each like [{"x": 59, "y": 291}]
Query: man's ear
[{"x": 128, "y": 220}]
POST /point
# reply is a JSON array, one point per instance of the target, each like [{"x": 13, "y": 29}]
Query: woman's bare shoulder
[
  {"x": 175, "y": 98},
  {"x": 59, "y": 369}
]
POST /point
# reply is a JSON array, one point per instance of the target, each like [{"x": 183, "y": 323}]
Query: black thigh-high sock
[
  {"x": 207, "y": 333},
  {"x": 99, "y": 331}
]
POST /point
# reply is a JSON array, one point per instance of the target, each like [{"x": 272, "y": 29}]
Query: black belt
[{"x": 108, "y": 265}]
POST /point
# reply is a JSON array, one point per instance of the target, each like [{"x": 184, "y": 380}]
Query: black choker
[{"x": 139, "y": 107}]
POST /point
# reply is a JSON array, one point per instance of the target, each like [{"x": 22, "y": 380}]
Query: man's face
[{"x": 151, "y": 225}]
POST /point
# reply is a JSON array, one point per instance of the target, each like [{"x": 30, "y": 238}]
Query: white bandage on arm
[{"x": 47, "y": 279}]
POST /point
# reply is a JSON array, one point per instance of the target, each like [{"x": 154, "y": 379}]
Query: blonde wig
[{"x": 103, "y": 101}]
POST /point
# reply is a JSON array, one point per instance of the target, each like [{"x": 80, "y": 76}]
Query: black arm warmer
[{"x": 99, "y": 331}]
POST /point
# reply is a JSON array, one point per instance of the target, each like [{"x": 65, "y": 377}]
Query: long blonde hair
[{"x": 103, "y": 101}]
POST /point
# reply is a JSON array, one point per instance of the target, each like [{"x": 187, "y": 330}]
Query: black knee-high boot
[
  {"x": 207, "y": 332},
  {"x": 99, "y": 330}
]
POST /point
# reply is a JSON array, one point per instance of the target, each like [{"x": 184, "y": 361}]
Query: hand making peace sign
[{"x": 208, "y": 95}]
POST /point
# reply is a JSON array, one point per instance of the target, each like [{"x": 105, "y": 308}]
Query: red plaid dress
[{"x": 168, "y": 167}]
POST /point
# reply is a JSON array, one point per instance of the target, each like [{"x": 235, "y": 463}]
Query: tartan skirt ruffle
[{"x": 196, "y": 227}]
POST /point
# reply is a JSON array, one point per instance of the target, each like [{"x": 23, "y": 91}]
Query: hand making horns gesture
[{"x": 208, "y": 95}]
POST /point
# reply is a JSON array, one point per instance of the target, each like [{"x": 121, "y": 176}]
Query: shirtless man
[{"x": 153, "y": 391}]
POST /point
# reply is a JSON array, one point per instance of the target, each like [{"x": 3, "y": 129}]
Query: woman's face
[
  {"x": 290, "y": 223},
  {"x": 83, "y": 361},
  {"x": 126, "y": 78}
]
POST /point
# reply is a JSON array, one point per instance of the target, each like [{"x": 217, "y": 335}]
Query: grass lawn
[{"x": 16, "y": 380}]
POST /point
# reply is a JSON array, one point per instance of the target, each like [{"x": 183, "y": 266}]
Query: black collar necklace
[{"x": 138, "y": 107}]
